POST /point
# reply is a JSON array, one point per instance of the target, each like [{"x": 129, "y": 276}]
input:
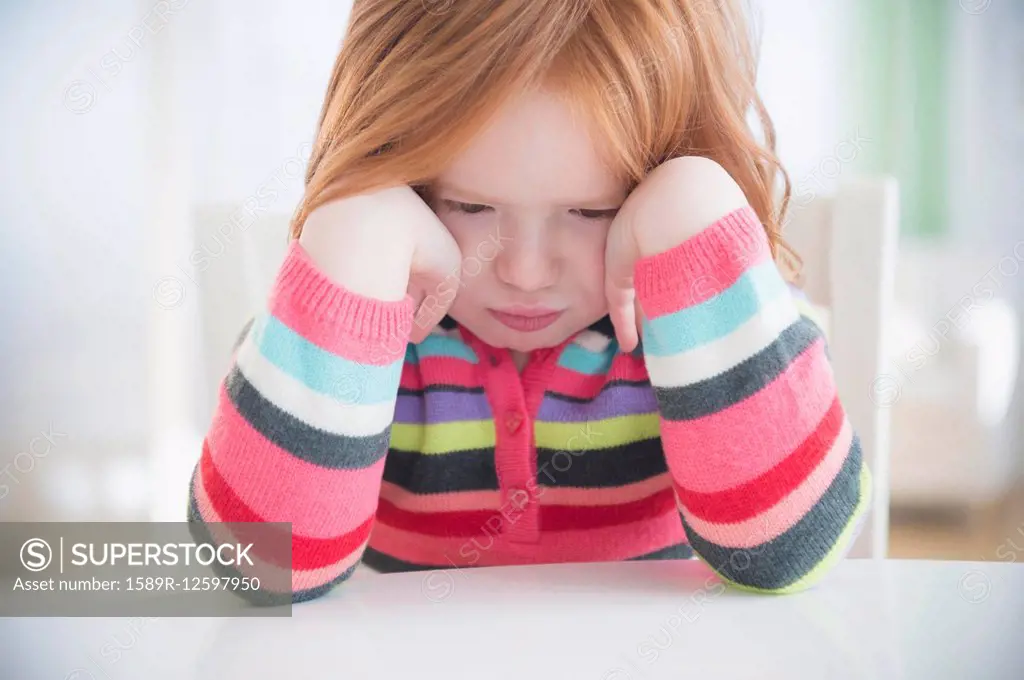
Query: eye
[
  {"x": 588, "y": 214},
  {"x": 468, "y": 208}
]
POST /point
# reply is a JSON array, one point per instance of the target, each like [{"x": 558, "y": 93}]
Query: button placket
[{"x": 513, "y": 421}]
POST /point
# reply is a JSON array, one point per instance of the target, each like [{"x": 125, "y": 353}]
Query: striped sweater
[{"x": 722, "y": 436}]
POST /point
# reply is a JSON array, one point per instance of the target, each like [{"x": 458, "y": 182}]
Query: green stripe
[
  {"x": 598, "y": 434},
  {"x": 443, "y": 438}
]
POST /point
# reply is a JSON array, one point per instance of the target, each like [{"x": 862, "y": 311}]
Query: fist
[{"x": 385, "y": 245}]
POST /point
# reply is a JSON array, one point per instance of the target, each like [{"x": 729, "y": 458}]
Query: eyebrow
[{"x": 479, "y": 198}]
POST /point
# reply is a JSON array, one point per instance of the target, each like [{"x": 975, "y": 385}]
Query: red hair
[{"x": 415, "y": 81}]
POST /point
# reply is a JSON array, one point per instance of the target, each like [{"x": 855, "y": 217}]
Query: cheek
[
  {"x": 471, "y": 237},
  {"x": 585, "y": 259}
]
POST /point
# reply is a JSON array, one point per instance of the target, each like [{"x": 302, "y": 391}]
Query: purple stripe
[
  {"x": 441, "y": 407},
  {"x": 619, "y": 400}
]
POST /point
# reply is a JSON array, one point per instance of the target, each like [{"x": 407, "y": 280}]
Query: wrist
[
  {"x": 340, "y": 310},
  {"x": 704, "y": 264}
]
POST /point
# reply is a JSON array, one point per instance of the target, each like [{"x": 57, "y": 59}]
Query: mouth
[{"x": 526, "y": 320}]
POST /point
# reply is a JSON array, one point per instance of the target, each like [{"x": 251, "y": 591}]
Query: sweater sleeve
[
  {"x": 303, "y": 421},
  {"x": 768, "y": 472}
]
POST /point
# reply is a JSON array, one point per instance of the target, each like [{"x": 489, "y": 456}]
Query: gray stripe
[
  {"x": 457, "y": 471},
  {"x": 601, "y": 467},
  {"x": 200, "y": 534},
  {"x": 790, "y": 556},
  {"x": 241, "y": 336},
  {"x": 303, "y": 441},
  {"x": 679, "y": 551},
  {"x": 739, "y": 382},
  {"x": 312, "y": 593}
]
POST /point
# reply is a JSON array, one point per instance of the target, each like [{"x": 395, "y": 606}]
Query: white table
[{"x": 614, "y": 621}]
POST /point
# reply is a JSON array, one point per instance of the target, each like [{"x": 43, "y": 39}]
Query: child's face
[{"x": 529, "y": 203}]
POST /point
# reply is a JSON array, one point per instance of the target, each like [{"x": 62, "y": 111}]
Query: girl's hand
[
  {"x": 385, "y": 245},
  {"x": 675, "y": 201}
]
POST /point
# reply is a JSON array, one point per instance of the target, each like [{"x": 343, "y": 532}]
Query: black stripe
[
  {"x": 613, "y": 466},
  {"x": 790, "y": 556},
  {"x": 604, "y": 326},
  {"x": 434, "y": 389},
  {"x": 607, "y": 386},
  {"x": 679, "y": 551},
  {"x": 739, "y": 382},
  {"x": 471, "y": 470},
  {"x": 386, "y": 564},
  {"x": 300, "y": 439}
]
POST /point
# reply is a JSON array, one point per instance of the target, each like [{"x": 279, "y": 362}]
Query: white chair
[
  {"x": 238, "y": 266},
  {"x": 847, "y": 241},
  {"x": 848, "y": 244}
]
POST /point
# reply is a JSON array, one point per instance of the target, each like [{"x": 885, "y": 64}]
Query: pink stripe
[
  {"x": 784, "y": 515},
  {"x": 302, "y": 580},
  {"x": 749, "y": 438},
  {"x": 319, "y": 502},
  {"x": 603, "y": 496},
  {"x": 271, "y": 576},
  {"x": 439, "y": 502},
  {"x": 597, "y": 545},
  {"x": 338, "y": 320},
  {"x": 703, "y": 265}
]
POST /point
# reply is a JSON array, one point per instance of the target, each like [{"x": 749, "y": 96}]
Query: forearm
[
  {"x": 768, "y": 471},
  {"x": 303, "y": 421}
]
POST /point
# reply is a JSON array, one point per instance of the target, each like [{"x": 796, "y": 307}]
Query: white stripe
[
  {"x": 717, "y": 357},
  {"x": 313, "y": 408},
  {"x": 592, "y": 341}
]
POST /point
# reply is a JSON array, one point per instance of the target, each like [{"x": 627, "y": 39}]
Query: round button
[
  {"x": 494, "y": 360},
  {"x": 513, "y": 421}
]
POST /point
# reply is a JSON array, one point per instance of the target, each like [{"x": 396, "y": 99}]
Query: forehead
[{"x": 535, "y": 152}]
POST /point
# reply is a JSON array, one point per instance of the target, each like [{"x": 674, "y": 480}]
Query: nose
[{"x": 528, "y": 261}]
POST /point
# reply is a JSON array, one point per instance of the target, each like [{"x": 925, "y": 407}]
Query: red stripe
[
  {"x": 570, "y": 383},
  {"x": 411, "y": 378},
  {"x": 459, "y": 523},
  {"x": 307, "y": 553},
  {"x": 754, "y": 497},
  {"x": 436, "y": 370},
  {"x": 553, "y": 517},
  {"x": 581, "y": 517}
]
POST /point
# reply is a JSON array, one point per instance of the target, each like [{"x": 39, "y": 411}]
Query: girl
[{"x": 530, "y": 311}]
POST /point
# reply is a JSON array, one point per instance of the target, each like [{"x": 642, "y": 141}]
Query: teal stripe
[
  {"x": 323, "y": 372},
  {"x": 582, "y": 360},
  {"x": 443, "y": 346},
  {"x": 410, "y": 354},
  {"x": 717, "y": 317}
]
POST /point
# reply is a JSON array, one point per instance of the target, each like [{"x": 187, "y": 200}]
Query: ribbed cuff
[
  {"x": 300, "y": 282},
  {"x": 738, "y": 237}
]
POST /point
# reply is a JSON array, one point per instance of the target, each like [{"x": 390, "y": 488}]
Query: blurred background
[{"x": 151, "y": 147}]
